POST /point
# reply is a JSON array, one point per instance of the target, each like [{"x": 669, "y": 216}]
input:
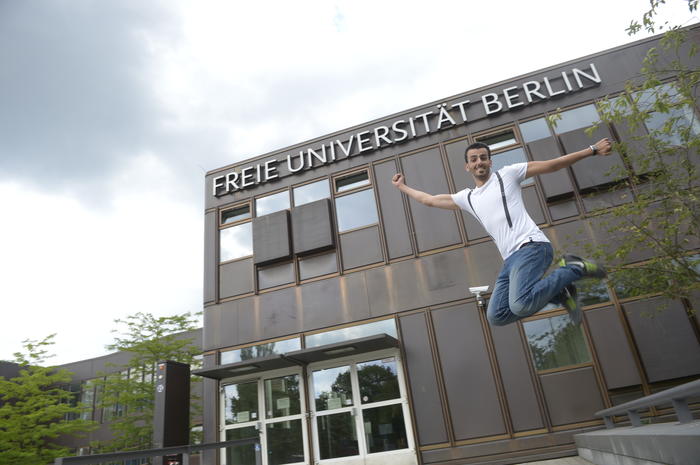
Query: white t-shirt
[{"x": 490, "y": 212}]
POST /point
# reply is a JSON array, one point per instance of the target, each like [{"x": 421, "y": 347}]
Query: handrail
[
  {"x": 173, "y": 450},
  {"x": 677, "y": 395}
]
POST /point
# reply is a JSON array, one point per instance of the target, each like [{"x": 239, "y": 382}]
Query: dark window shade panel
[
  {"x": 235, "y": 278},
  {"x": 361, "y": 247},
  {"x": 667, "y": 343},
  {"x": 210, "y": 262},
  {"x": 563, "y": 209},
  {"x": 434, "y": 227},
  {"x": 614, "y": 353},
  {"x": 532, "y": 205},
  {"x": 271, "y": 238},
  {"x": 398, "y": 240},
  {"x": 275, "y": 275},
  {"x": 556, "y": 184},
  {"x": 312, "y": 227},
  {"x": 427, "y": 408},
  {"x": 592, "y": 171},
  {"x": 634, "y": 146},
  {"x": 470, "y": 384},
  {"x": 517, "y": 381},
  {"x": 572, "y": 396}
]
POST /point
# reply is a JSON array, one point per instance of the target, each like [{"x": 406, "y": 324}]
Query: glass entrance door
[{"x": 271, "y": 406}]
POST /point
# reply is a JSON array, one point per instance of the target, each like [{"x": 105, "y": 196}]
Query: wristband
[{"x": 593, "y": 148}]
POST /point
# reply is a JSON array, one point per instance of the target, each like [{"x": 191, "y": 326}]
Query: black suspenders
[{"x": 503, "y": 197}]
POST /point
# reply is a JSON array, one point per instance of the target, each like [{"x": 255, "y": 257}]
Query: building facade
[{"x": 338, "y": 321}]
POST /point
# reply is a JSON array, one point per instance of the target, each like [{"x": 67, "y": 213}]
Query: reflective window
[
  {"x": 311, "y": 192},
  {"x": 317, "y": 265},
  {"x": 241, "y": 402},
  {"x": 87, "y": 400},
  {"x": 497, "y": 141},
  {"x": 337, "y": 436},
  {"x": 534, "y": 130},
  {"x": 384, "y": 428},
  {"x": 235, "y": 214},
  {"x": 332, "y": 388},
  {"x": 356, "y": 210},
  {"x": 351, "y": 181},
  {"x": 517, "y": 155},
  {"x": 378, "y": 380},
  {"x": 285, "y": 442},
  {"x": 260, "y": 350},
  {"x": 592, "y": 291},
  {"x": 236, "y": 242},
  {"x": 282, "y": 396},
  {"x": 353, "y": 332},
  {"x": 555, "y": 342},
  {"x": 580, "y": 117},
  {"x": 272, "y": 203},
  {"x": 243, "y": 454},
  {"x": 678, "y": 119}
]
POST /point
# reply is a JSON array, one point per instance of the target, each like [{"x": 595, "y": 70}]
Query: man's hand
[
  {"x": 603, "y": 147},
  {"x": 397, "y": 180}
]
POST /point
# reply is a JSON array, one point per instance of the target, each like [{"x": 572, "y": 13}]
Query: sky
[{"x": 112, "y": 111}]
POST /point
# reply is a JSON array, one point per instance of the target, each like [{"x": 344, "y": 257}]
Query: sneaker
[
  {"x": 590, "y": 268},
  {"x": 570, "y": 301}
]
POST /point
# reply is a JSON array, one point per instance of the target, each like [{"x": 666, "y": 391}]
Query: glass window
[
  {"x": 592, "y": 291},
  {"x": 384, "y": 428},
  {"x": 351, "y": 181},
  {"x": 236, "y": 242},
  {"x": 317, "y": 265},
  {"x": 241, "y": 402},
  {"x": 311, "y": 192},
  {"x": 235, "y": 214},
  {"x": 517, "y": 155},
  {"x": 285, "y": 442},
  {"x": 87, "y": 400},
  {"x": 534, "y": 130},
  {"x": 245, "y": 453},
  {"x": 272, "y": 203},
  {"x": 680, "y": 119},
  {"x": 378, "y": 380},
  {"x": 337, "y": 436},
  {"x": 580, "y": 117},
  {"x": 282, "y": 396},
  {"x": 260, "y": 350},
  {"x": 356, "y": 210},
  {"x": 332, "y": 388},
  {"x": 352, "y": 332},
  {"x": 555, "y": 342},
  {"x": 497, "y": 141}
]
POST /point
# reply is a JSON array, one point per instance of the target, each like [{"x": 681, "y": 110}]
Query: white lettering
[
  {"x": 534, "y": 91},
  {"x": 396, "y": 129},
  {"x": 361, "y": 141},
  {"x": 462, "y": 111},
  {"x": 247, "y": 178},
  {"x": 231, "y": 179},
  {"x": 566, "y": 80},
  {"x": 593, "y": 77},
  {"x": 549, "y": 88},
  {"x": 270, "y": 171},
  {"x": 444, "y": 118},
  {"x": 301, "y": 162},
  {"x": 510, "y": 98},
  {"x": 424, "y": 117},
  {"x": 312, "y": 153},
  {"x": 383, "y": 136},
  {"x": 412, "y": 124},
  {"x": 216, "y": 184},
  {"x": 491, "y": 99},
  {"x": 342, "y": 147},
  {"x": 257, "y": 170}
]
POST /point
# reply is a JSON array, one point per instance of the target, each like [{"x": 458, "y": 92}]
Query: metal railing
[
  {"x": 186, "y": 451},
  {"x": 678, "y": 396}
]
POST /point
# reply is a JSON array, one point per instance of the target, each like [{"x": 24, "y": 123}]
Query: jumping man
[{"x": 496, "y": 202}]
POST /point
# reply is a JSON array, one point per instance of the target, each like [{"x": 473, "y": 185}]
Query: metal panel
[
  {"x": 564, "y": 209},
  {"x": 275, "y": 275},
  {"x": 614, "y": 353},
  {"x": 571, "y": 396},
  {"x": 249, "y": 324},
  {"x": 660, "y": 322},
  {"x": 554, "y": 184},
  {"x": 312, "y": 227},
  {"x": 210, "y": 263},
  {"x": 484, "y": 262},
  {"x": 361, "y": 247},
  {"x": 630, "y": 137},
  {"x": 461, "y": 180},
  {"x": 393, "y": 214},
  {"x": 606, "y": 199},
  {"x": 434, "y": 227},
  {"x": 517, "y": 380},
  {"x": 271, "y": 238},
  {"x": 471, "y": 390},
  {"x": 317, "y": 265},
  {"x": 220, "y": 326},
  {"x": 387, "y": 294},
  {"x": 280, "y": 313},
  {"x": 444, "y": 275},
  {"x": 427, "y": 409},
  {"x": 591, "y": 171},
  {"x": 569, "y": 237},
  {"x": 532, "y": 204},
  {"x": 235, "y": 278}
]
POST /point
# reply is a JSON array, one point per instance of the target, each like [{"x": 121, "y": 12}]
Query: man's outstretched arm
[
  {"x": 440, "y": 201},
  {"x": 603, "y": 148}
]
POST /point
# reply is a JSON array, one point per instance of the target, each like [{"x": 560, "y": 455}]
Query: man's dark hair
[{"x": 477, "y": 145}]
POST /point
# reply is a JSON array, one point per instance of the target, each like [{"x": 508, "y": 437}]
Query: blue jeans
[{"x": 522, "y": 290}]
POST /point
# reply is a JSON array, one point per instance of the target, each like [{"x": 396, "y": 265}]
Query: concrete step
[{"x": 562, "y": 461}]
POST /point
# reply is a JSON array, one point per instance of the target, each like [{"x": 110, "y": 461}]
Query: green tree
[
  {"x": 659, "y": 210},
  {"x": 33, "y": 409},
  {"x": 127, "y": 394}
]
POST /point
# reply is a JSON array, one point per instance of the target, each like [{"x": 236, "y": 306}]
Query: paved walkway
[{"x": 563, "y": 461}]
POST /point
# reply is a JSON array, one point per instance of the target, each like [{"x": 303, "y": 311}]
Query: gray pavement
[{"x": 563, "y": 461}]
